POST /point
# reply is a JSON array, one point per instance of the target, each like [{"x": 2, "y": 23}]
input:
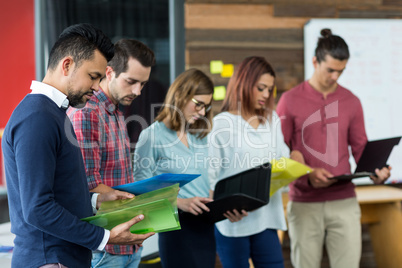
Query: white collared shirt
[
  {"x": 62, "y": 102},
  {"x": 51, "y": 92}
]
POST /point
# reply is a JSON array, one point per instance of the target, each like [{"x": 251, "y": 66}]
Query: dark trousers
[
  {"x": 263, "y": 248},
  {"x": 191, "y": 247}
]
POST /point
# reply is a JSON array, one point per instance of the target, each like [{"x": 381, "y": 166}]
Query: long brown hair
[
  {"x": 240, "y": 88},
  {"x": 188, "y": 84}
]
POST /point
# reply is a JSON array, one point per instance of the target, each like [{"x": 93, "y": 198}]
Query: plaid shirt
[{"x": 102, "y": 135}]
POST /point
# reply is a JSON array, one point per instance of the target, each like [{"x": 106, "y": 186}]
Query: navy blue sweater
[{"x": 47, "y": 187}]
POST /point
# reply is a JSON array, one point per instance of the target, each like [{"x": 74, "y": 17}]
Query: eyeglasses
[{"x": 200, "y": 105}]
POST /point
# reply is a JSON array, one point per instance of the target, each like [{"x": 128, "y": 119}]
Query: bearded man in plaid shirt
[{"x": 102, "y": 134}]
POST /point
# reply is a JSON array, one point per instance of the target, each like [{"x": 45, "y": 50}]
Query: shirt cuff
[
  {"x": 106, "y": 236},
  {"x": 93, "y": 202}
]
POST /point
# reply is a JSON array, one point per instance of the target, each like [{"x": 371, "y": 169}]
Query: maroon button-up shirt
[{"x": 322, "y": 129}]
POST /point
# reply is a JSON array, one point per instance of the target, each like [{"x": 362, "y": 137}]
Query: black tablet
[
  {"x": 375, "y": 155},
  {"x": 247, "y": 190},
  {"x": 235, "y": 201}
]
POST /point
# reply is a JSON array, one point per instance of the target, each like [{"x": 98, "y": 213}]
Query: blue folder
[{"x": 157, "y": 182}]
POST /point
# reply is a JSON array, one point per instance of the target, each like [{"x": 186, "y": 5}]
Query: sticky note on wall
[
  {"x": 216, "y": 66},
  {"x": 219, "y": 93},
  {"x": 227, "y": 70}
]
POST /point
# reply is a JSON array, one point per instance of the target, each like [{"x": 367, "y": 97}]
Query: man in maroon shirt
[{"x": 321, "y": 119}]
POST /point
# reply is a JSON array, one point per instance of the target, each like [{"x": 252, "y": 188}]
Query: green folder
[{"x": 159, "y": 208}]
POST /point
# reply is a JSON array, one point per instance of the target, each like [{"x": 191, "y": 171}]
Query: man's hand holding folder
[
  {"x": 121, "y": 235},
  {"x": 158, "y": 209},
  {"x": 381, "y": 175}
]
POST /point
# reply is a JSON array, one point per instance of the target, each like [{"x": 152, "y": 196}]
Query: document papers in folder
[
  {"x": 284, "y": 171},
  {"x": 159, "y": 208},
  {"x": 375, "y": 155},
  {"x": 156, "y": 182}
]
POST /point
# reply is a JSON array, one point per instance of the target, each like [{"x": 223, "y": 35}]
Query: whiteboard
[{"x": 373, "y": 73}]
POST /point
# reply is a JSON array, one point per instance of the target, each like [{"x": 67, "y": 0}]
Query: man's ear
[
  {"x": 315, "y": 62},
  {"x": 109, "y": 72},
  {"x": 67, "y": 64}
]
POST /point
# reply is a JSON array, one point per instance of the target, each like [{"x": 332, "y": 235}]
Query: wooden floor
[{"x": 367, "y": 260}]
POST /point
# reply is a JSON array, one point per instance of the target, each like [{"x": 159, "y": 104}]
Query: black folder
[
  {"x": 247, "y": 190},
  {"x": 375, "y": 155}
]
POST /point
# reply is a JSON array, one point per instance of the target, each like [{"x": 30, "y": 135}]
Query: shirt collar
[
  {"x": 51, "y": 92},
  {"x": 109, "y": 105},
  {"x": 313, "y": 91}
]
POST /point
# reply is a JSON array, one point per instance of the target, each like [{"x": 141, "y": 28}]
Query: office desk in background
[
  {"x": 381, "y": 210},
  {"x": 6, "y": 239}
]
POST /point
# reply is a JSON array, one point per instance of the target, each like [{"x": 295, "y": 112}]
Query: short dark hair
[
  {"x": 80, "y": 42},
  {"x": 130, "y": 48},
  {"x": 333, "y": 45}
]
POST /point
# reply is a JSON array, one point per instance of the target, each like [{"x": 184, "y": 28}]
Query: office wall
[
  {"x": 227, "y": 30},
  {"x": 17, "y": 56},
  {"x": 230, "y": 30}
]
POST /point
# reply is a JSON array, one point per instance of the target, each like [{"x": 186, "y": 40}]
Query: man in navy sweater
[{"x": 46, "y": 180}]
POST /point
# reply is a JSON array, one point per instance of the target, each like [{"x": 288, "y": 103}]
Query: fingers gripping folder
[
  {"x": 251, "y": 189},
  {"x": 159, "y": 208}
]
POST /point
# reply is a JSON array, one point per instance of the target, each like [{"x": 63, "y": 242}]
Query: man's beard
[
  {"x": 122, "y": 100},
  {"x": 76, "y": 100}
]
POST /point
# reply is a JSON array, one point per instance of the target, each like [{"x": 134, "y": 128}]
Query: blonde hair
[{"x": 188, "y": 84}]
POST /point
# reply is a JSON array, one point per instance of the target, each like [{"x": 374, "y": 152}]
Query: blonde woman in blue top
[{"x": 177, "y": 143}]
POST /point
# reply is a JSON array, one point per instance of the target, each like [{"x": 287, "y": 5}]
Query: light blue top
[
  {"x": 235, "y": 146},
  {"x": 159, "y": 150}
]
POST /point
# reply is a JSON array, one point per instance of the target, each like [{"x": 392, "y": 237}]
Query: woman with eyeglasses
[
  {"x": 246, "y": 134},
  {"x": 176, "y": 143}
]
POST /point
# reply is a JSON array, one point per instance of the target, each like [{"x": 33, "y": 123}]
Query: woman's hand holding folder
[
  {"x": 195, "y": 205},
  {"x": 235, "y": 215}
]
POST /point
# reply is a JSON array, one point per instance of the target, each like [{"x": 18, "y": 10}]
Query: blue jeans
[
  {"x": 263, "y": 248},
  {"x": 106, "y": 260}
]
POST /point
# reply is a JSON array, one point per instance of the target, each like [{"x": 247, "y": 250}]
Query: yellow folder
[{"x": 284, "y": 171}]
